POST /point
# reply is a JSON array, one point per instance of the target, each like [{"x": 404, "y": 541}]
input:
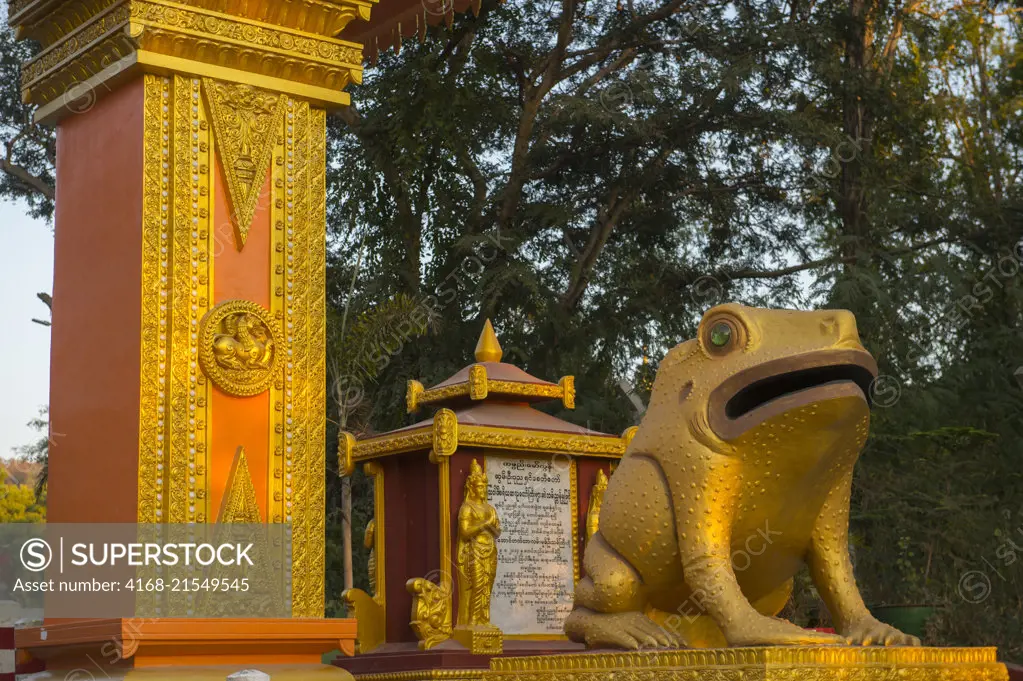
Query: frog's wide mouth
[{"x": 754, "y": 395}]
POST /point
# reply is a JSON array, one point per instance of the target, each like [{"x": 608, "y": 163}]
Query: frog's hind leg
[{"x": 609, "y": 604}]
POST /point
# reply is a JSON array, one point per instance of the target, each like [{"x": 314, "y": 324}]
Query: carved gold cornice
[
  {"x": 393, "y": 443},
  {"x": 322, "y": 17},
  {"x": 287, "y": 46},
  {"x": 541, "y": 441},
  {"x": 479, "y": 387},
  {"x": 47, "y": 20},
  {"x": 444, "y": 439}
]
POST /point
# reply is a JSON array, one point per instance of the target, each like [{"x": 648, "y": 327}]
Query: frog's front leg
[
  {"x": 609, "y": 604},
  {"x": 704, "y": 521},
  {"x": 709, "y": 575},
  {"x": 832, "y": 572}
]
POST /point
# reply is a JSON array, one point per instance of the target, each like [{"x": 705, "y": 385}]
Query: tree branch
[
  {"x": 410, "y": 222},
  {"x": 29, "y": 180},
  {"x": 22, "y": 174},
  {"x": 834, "y": 260}
]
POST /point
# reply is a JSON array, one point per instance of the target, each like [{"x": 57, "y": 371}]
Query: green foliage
[
  {"x": 362, "y": 338},
  {"x": 19, "y": 503},
  {"x": 38, "y": 451},
  {"x": 935, "y": 517},
  {"x": 29, "y": 151}
]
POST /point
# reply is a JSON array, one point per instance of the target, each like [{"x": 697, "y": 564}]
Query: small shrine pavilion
[{"x": 539, "y": 473}]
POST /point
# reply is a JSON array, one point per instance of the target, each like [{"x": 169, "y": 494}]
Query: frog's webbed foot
[
  {"x": 868, "y": 631},
  {"x": 628, "y": 630},
  {"x": 763, "y": 631},
  {"x": 609, "y": 604}
]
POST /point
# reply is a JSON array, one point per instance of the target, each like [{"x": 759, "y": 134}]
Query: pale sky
[{"x": 26, "y": 268}]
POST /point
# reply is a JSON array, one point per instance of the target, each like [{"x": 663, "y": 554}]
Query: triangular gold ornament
[
  {"x": 239, "y": 502},
  {"x": 263, "y": 578},
  {"x": 246, "y": 121}
]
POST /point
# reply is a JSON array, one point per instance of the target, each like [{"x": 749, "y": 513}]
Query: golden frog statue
[{"x": 739, "y": 474}]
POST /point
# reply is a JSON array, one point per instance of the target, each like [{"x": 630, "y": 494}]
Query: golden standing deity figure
[
  {"x": 596, "y": 501},
  {"x": 369, "y": 541},
  {"x": 478, "y": 530}
]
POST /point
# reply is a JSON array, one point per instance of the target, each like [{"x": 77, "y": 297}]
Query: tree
[
  {"x": 38, "y": 452},
  {"x": 29, "y": 153},
  {"x": 18, "y": 503}
]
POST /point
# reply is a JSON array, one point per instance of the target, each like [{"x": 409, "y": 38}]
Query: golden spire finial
[{"x": 488, "y": 349}]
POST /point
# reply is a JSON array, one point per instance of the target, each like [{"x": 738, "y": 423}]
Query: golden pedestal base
[
  {"x": 776, "y": 663},
  {"x": 480, "y": 640}
]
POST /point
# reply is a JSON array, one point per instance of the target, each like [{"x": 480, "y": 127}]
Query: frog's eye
[{"x": 722, "y": 335}]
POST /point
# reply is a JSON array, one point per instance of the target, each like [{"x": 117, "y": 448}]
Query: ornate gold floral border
[
  {"x": 280, "y": 467},
  {"x": 429, "y": 675},
  {"x": 177, "y": 284},
  {"x": 574, "y": 487},
  {"x": 779, "y": 663},
  {"x": 303, "y": 288},
  {"x": 772, "y": 662},
  {"x": 48, "y": 20},
  {"x": 539, "y": 441}
]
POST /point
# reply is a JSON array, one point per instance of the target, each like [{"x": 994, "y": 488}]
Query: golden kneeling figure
[{"x": 739, "y": 474}]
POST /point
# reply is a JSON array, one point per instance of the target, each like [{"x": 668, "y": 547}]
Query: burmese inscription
[{"x": 535, "y": 571}]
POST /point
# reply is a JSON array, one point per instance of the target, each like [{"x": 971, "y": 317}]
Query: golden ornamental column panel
[{"x": 190, "y": 256}]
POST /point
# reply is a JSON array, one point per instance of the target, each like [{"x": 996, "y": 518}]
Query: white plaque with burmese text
[{"x": 535, "y": 563}]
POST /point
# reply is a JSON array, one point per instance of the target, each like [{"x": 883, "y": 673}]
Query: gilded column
[{"x": 191, "y": 246}]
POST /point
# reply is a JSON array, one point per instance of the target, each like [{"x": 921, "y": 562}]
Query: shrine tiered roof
[
  {"x": 487, "y": 404},
  {"x": 490, "y": 379}
]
